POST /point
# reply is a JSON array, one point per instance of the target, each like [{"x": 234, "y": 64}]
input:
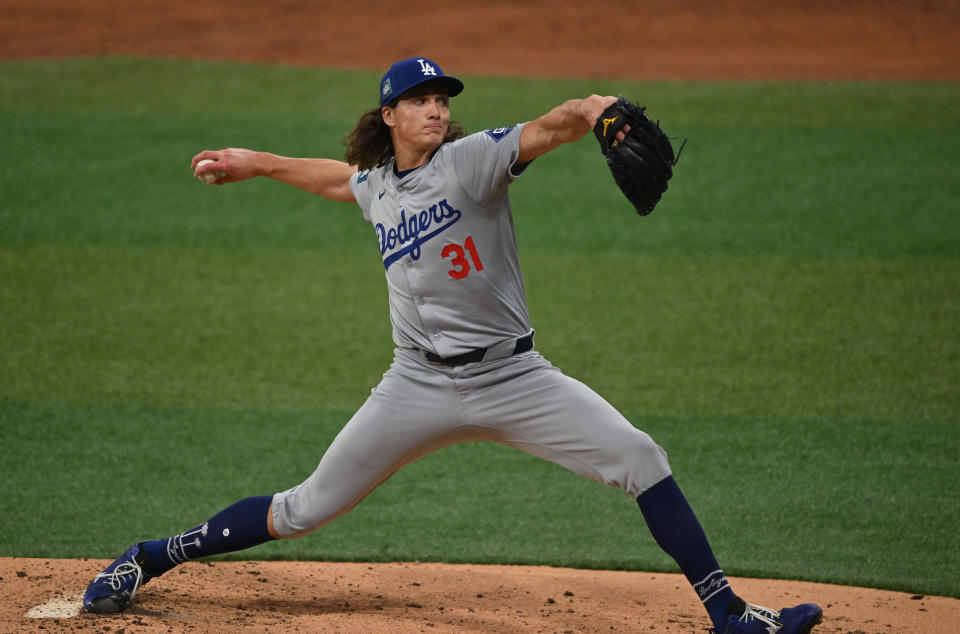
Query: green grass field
[{"x": 785, "y": 323}]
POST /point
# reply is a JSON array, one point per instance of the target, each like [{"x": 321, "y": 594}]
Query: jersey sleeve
[
  {"x": 484, "y": 163},
  {"x": 362, "y": 191}
]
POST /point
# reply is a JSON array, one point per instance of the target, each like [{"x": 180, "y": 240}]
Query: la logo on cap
[{"x": 427, "y": 69}]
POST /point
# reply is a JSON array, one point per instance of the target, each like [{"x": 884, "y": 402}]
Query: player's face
[{"x": 420, "y": 120}]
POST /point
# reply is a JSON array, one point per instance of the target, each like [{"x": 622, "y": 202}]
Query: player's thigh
[
  {"x": 553, "y": 416},
  {"x": 405, "y": 417}
]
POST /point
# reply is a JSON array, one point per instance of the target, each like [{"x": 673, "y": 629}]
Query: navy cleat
[
  {"x": 758, "y": 620},
  {"x": 114, "y": 589}
]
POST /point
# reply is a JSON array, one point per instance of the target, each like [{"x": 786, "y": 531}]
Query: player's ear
[{"x": 388, "y": 116}]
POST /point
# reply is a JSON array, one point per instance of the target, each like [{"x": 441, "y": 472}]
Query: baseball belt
[{"x": 499, "y": 351}]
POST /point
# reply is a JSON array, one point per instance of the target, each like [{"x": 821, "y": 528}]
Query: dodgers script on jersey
[{"x": 446, "y": 236}]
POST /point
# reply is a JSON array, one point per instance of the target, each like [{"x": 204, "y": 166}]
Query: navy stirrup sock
[
  {"x": 677, "y": 531},
  {"x": 239, "y": 526}
]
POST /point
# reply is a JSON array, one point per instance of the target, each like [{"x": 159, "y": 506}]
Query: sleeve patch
[{"x": 497, "y": 134}]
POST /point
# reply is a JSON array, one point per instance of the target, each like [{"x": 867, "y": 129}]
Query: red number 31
[{"x": 461, "y": 266}]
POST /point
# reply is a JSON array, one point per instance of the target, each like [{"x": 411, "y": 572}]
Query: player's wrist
[{"x": 267, "y": 164}]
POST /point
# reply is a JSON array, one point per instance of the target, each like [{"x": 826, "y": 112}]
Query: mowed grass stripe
[{"x": 692, "y": 336}]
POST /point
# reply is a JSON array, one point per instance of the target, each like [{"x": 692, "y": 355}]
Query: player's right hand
[{"x": 235, "y": 164}]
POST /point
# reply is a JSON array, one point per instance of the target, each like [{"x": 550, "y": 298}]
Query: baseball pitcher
[{"x": 465, "y": 367}]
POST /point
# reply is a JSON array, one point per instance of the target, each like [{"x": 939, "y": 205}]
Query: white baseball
[{"x": 209, "y": 177}]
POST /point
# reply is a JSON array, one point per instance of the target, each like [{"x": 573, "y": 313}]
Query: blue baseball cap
[{"x": 407, "y": 73}]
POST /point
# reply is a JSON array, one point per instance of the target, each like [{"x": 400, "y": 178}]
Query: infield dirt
[{"x": 685, "y": 39}]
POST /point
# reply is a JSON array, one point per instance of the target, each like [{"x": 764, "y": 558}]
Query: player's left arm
[{"x": 566, "y": 123}]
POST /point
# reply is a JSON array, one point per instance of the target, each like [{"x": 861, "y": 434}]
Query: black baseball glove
[{"x": 643, "y": 161}]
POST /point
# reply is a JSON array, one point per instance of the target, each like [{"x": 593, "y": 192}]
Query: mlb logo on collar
[{"x": 407, "y": 73}]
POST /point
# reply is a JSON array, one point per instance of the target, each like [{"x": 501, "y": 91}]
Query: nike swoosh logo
[{"x": 380, "y": 195}]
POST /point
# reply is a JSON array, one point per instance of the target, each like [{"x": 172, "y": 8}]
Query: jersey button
[{"x": 421, "y": 300}]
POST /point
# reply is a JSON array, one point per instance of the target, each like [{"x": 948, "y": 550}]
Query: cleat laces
[
  {"x": 768, "y": 617},
  {"x": 117, "y": 577}
]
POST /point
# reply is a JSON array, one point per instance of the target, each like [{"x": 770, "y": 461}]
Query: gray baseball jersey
[{"x": 446, "y": 236}]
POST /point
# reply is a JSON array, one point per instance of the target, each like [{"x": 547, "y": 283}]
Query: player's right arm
[{"x": 324, "y": 177}]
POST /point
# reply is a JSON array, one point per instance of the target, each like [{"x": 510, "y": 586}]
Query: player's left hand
[{"x": 593, "y": 106}]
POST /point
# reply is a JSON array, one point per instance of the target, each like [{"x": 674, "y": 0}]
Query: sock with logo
[
  {"x": 242, "y": 525},
  {"x": 678, "y": 532}
]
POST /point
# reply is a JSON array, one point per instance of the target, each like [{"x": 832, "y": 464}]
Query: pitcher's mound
[{"x": 44, "y": 595}]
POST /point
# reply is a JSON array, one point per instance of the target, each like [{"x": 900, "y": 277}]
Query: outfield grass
[{"x": 785, "y": 324}]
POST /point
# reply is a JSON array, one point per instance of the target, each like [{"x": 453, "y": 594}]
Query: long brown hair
[{"x": 369, "y": 144}]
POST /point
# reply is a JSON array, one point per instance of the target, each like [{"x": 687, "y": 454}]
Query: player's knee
[
  {"x": 646, "y": 463},
  {"x": 300, "y": 511}
]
